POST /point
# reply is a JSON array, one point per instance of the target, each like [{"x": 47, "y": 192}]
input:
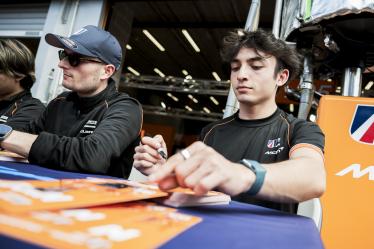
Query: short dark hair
[
  {"x": 260, "y": 40},
  {"x": 16, "y": 60}
]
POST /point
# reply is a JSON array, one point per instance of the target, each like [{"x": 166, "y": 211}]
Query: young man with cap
[
  {"x": 94, "y": 128},
  {"x": 261, "y": 154},
  {"x": 17, "y": 107}
]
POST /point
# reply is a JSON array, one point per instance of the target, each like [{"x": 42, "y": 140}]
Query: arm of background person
[
  {"x": 300, "y": 178},
  {"x": 146, "y": 157},
  {"x": 27, "y": 112}
]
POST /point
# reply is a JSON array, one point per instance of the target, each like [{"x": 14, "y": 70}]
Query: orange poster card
[
  {"x": 184, "y": 197},
  {"x": 22, "y": 196},
  {"x": 127, "y": 225}
]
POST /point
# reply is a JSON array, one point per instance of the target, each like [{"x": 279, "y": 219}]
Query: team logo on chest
[
  {"x": 274, "y": 144},
  {"x": 89, "y": 127}
]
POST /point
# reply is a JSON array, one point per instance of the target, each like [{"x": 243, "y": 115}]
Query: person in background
[
  {"x": 259, "y": 155},
  {"x": 93, "y": 128},
  {"x": 17, "y": 75}
]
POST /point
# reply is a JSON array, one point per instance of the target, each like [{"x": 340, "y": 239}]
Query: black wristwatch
[
  {"x": 260, "y": 173},
  {"x": 5, "y": 131}
]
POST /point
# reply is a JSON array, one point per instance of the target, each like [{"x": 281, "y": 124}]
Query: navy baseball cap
[{"x": 90, "y": 41}]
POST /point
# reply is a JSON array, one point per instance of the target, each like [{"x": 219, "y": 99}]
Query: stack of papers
[{"x": 104, "y": 215}]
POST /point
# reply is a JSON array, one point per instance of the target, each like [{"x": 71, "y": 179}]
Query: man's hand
[
  {"x": 204, "y": 170},
  {"x": 146, "y": 157}
]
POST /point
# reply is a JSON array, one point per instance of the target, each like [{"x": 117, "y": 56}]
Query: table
[{"x": 236, "y": 225}]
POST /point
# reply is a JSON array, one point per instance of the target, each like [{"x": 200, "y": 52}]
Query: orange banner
[{"x": 348, "y": 204}]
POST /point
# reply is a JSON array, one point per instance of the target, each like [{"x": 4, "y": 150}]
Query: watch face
[{"x": 4, "y": 130}]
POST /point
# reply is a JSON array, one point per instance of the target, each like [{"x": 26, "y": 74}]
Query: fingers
[
  {"x": 144, "y": 152},
  {"x": 166, "y": 170},
  {"x": 208, "y": 183},
  {"x": 146, "y": 157},
  {"x": 168, "y": 183},
  {"x": 151, "y": 142}
]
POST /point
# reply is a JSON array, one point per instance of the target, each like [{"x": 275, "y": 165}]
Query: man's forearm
[
  {"x": 19, "y": 142},
  {"x": 295, "y": 180}
]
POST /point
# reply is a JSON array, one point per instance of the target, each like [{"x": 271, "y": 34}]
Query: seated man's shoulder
[
  {"x": 123, "y": 99},
  {"x": 31, "y": 101}
]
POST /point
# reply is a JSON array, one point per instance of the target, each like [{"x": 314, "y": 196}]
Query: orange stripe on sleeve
[{"x": 303, "y": 145}]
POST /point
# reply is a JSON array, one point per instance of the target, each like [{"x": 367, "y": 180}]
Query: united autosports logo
[
  {"x": 273, "y": 143},
  {"x": 362, "y": 127}
]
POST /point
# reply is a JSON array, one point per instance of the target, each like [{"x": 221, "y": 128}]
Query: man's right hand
[{"x": 146, "y": 158}]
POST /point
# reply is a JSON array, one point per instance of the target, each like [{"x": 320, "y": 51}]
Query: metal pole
[
  {"x": 277, "y": 18},
  {"x": 251, "y": 24},
  {"x": 306, "y": 88},
  {"x": 352, "y": 82}
]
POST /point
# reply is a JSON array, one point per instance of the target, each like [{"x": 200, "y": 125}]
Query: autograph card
[
  {"x": 22, "y": 196},
  {"x": 128, "y": 225}
]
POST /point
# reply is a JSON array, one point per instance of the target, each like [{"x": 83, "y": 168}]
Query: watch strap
[{"x": 259, "y": 172}]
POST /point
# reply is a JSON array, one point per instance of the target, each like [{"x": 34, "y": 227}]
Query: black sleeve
[
  {"x": 119, "y": 127},
  {"x": 27, "y": 112},
  {"x": 307, "y": 132}
]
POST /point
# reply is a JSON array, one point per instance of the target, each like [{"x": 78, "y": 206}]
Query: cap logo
[
  {"x": 69, "y": 43},
  {"x": 81, "y": 31}
]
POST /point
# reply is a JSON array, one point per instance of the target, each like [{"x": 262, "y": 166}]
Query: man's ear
[
  {"x": 108, "y": 71},
  {"x": 283, "y": 77},
  {"x": 19, "y": 78}
]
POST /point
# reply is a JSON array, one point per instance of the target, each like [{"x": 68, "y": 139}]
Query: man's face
[
  {"x": 252, "y": 77},
  {"x": 86, "y": 78},
  {"x": 8, "y": 86}
]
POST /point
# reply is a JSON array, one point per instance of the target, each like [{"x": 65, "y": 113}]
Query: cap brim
[
  {"x": 66, "y": 43},
  {"x": 55, "y": 41}
]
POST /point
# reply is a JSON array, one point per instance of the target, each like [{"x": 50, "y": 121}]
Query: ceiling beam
[{"x": 189, "y": 25}]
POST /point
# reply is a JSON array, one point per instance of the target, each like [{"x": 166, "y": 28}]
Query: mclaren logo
[{"x": 357, "y": 172}]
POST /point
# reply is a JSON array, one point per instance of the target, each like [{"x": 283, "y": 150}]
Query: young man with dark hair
[
  {"x": 261, "y": 154},
  {"x": 93, "y": 128},
  {"x": 17, "y": 107}
]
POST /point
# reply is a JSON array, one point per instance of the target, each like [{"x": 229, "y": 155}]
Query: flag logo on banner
[{"x": 362, "y": 127}]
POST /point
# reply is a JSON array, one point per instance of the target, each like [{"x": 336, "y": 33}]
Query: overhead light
[
  {"x": 206, "y": 110},
  {"x": 193, "y": 99},
  {"x": 329, "y": 80},
  {"x": 173, "y": 97},
  {"x": 188, "y": 77},
  {"x": 369, "y": 85},
  {"x": 153, "y": 40},
  {"x": 128, "y": 47},
  {"x": 184, "y": 72},
  {"x": 312, "y": 117},
  {"x": 292, "y": 108},
  {"x": 133, "y": 71},
  {"x": 190, "y": 40},
  {"x": 188, "y": 108},
  {"x": 215, "y": 75},
  {"x": 163, "y": 105},
  {"x": 159, "y": 72},
  {"x": 213, "y": 99}
]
